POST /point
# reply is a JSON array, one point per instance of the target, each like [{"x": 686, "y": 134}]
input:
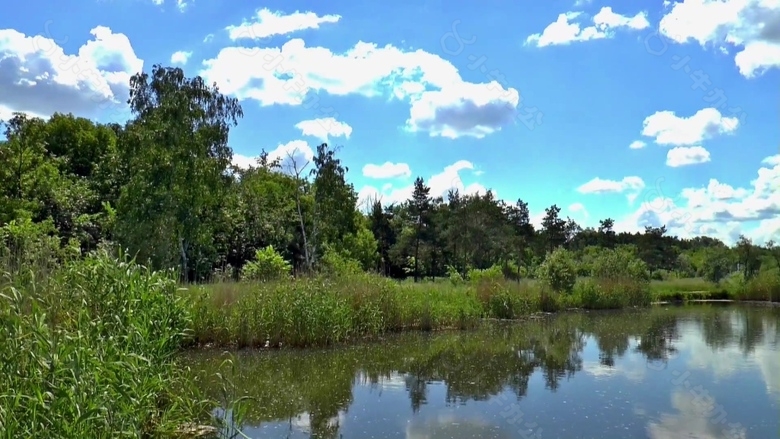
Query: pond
[{"x": 704, "y": 371}]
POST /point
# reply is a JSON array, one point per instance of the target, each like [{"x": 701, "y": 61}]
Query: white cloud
[
  {"x": 268, "y": 23},
  {"x": 564, "y": 30},
  {"x": 37, "y": 76},
  {"x": 579, "y": 209},
  {"x": 718, "y": 210},
  {"x": 208, "y": 38},
  {"x": 180, "y": 57},
  {"x": 387, "y": 170},
  {"x": 752, "y": 26},
  {"x": 181, "y": 5},
  {"x": 631, "y": 185},
  {"x": 439, "y": 183},
  {"x": 243, "y": 161},
  {"x": 441, "y": 102},
  {"x": 295, "y": 153},
  {"x": 669, "y": 129},
  {"x": 637, "y": 144},
  {"x": 686, "y": 155},
  {"x": 324, "y": 127}
]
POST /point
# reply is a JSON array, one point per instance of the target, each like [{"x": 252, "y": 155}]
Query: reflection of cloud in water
[
  {"x": 723, "y": 362},
  {"x": 449, "y": 426},
  {"x": 691, "y": 422},
  {"x": 302, "y": 422},
  {"x": 633, "y": 367},
  {"x": 393, "y": 381}
]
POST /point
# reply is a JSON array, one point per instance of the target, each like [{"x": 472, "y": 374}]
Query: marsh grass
[
  {"x": 89, "y": 350},
  {"x": 320, "y": 311}
]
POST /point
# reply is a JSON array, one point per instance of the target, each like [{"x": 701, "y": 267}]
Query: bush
[
  {"x": 334, "y": 263},
  {"x": 454, "y": 276},
  {"x": 559, "y": 271},
  {"x": 619, "y": 279},
  {"x": 619, "y": 265},
  {"x": 492, "y": 274},
  {"x": 268, "y": 264}
]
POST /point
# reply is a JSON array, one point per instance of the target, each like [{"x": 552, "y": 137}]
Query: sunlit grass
[{"x": 91, "y": 351}]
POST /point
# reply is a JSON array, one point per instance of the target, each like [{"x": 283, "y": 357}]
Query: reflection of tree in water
[
  {"x": 611, "y": 345},
  {"x": 473, "y": 365},
  {"x": 655, "y": 342},
  {"x": 753, "y": 332},
  {"x": 717, "y": 329}
]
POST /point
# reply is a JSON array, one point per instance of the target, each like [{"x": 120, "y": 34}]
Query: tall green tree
[
  {"x": 553, "y": 228},
  {"x": 177, "y": 168},
  {"x": 419, "y": 210}
]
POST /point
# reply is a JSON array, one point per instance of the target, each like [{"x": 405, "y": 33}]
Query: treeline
[{"x": 163, "y": 187}]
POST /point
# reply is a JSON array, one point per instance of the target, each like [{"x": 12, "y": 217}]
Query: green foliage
[
  {"x": 619, "y": 264},
  {"x": 94, "y": 351},
  {"x": 336, "y": 263},
  {"x": 559, "y": 271},
  {"x": 492, "y": 274},
  {"x": 362, "y": 247},
  {"x": 716, "y": 266},
  {"x": 454, "y": 276},
  {"x": 267, "y": 265}
]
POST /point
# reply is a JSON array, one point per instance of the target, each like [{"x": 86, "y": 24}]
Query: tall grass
[
  {"x": 89, "y": 351},
  {"x": 321, "y": 311}
]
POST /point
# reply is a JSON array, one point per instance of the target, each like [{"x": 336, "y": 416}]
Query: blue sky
[{"x": 567, "y": 88}]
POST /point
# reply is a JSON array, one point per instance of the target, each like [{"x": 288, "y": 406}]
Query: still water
[{"x": 705, "y": 371}]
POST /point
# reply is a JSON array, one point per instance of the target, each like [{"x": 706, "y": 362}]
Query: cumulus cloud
[
  {"x": 268, "y": 23},
  {"x": 38, "y": 77},
  {"x": 751, "y": 26},
  {"x": 387, "y": 170},
  {"x": 686, "y": 155},
  {"x": 669, "y": 129},
  {"x": 440, "y": 184},
  {"x": 637, "y": 144},
  {"x": 324, "y": 127},
  {"x": 605, "y": 24},
  {"x": 180, "y": 57},
  {"x": 631, "y": 185},
  {"x": 441, "y": 102},
  {"x": 718, "y": 209}
]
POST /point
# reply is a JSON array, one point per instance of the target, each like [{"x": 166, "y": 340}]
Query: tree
[
  {"x": 717, "y": 265},
  {"x": 607, "y": 232},
  {"x": 419, "y": 210},
  {"x": 554, "y": 228},
  {"x": 748, "y": 257},
  {"x": 334, "y": 199},
  {"x": 178, "y": 164}
]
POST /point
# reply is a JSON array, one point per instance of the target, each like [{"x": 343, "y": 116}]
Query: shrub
[
  {"x": 268, "y": 264},
  {"x": 454, "y": 275},
  {"x": 334, "y": 263},
  {"x": 619, "y": 265},
  {"x": 559, "y": 271},
  {"x": 492, "y": 274}
]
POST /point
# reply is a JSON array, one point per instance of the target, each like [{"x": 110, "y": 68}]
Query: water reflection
[{"x": 696, "y": 372}]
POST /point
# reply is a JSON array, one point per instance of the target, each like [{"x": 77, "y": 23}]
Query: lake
[{"x": 703, "y": 371}]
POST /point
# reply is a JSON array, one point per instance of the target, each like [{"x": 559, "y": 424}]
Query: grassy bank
[
  {"x": 323, "y": 311},
  {"x": 90, "y": 350}
]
